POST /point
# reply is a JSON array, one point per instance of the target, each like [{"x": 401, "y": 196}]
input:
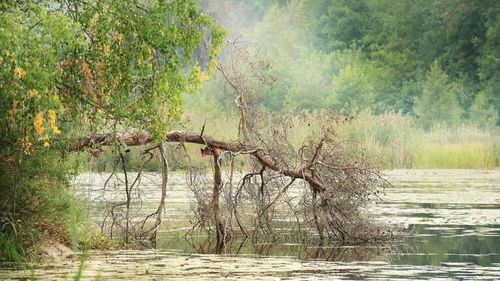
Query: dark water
[{"x": 451, "y": 217}]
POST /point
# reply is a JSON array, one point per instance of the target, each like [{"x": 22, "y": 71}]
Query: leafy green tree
[
  {"x": 489, "y": 63},
  {"x": 352, "y": 89},
  {"x": 309, "y": 85},
  {"x": 438, "y": 103},
  {"x": 302, "y": 73},
  {"x": 482, "y": 112},
  {"x": 464, "y": 34},
  {"x": 410, "y": 90},
  {"x": 339, "y": 24},
  {"x": 389, "y": 71},
  {"x": 68, "y": 68}
]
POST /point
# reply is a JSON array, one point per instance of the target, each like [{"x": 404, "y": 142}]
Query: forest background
[{"x": 416, "y": 81}]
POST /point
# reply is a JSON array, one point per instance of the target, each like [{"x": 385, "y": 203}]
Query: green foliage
[
  {"x": 33, "y": 42},
  {"x": 482, "y": 112},
  {"x": 89, "y": 64},
  {"x": 35, "y": 199},
  {"x": 489, "y": 62},
  {"x": 308, "y": 87},
  {"x": 68, "y": 68},
  {"x": 438, "y": 103},
  {"x": 10, "y": 251},
  {"x": 301, "y": 73},
  {"x": 358, "y": 54},
  {"x": 140, "y": 59},
  {"x": 340, "y": 23},
  {"x": 352, "y": 89}
]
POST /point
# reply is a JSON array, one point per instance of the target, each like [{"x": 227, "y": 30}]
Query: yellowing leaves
[
  {"x": 19, "y": 73},
  {"x": 118, "y": 37},
  {"x": 38, "y": 123},
  {"x": 11, "y": 112},
  {"x": 39, "y": 128},
  {"x": 46, "y": 141},
  {"x": 52, "y": 121},
  {"x": 55, "y": 98},
  {"x": 204, "y": 76},
  {"x": 26, "y": 145},
  {"x": 33, "y": 93},
  {"x": 86, "y": 69},
  {"x": 198, "y": 76},
  {"x": 106, "y": 50},
  {"x": 89, "y": 88}
]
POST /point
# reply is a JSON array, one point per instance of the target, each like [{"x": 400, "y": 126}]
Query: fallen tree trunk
[
  {"x": 339, "y": 177},
  {"x": 339, "y": 181},
  {"x": 146, "y": 138},
  {"x": 187, "y": 137}
]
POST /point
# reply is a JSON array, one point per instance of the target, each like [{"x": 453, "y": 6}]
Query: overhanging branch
[{"x": 187, "y": 137}]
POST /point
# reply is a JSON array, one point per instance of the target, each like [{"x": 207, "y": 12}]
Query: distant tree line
[{"x": 438, "y": 60}]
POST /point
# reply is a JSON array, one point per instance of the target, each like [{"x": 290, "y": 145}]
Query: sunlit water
[{"x": 452, "y": 217}]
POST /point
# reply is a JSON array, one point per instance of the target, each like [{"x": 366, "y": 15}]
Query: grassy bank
[{"x": 38, "y": 208}]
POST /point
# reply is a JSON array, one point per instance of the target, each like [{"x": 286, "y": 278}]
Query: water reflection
[
  {"x": 426, "y": 245},
  {"x": 438, "y": 244},
  {"x": 302, "y": 250}
]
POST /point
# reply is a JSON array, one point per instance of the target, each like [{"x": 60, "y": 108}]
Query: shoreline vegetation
[
  {"x": 395, "y": 139},
  {"x": 69, "y": 68}
]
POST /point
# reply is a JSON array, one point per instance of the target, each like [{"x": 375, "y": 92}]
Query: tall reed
[{"x": 394, "y": 138}]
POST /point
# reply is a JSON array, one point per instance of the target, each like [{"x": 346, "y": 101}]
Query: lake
[{"x": 452, "y": 232}]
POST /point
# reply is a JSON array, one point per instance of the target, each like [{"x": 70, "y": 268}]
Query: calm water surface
[{"x": 452, "y": 217}]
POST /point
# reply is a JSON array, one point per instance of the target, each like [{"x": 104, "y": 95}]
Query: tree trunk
[{"x": 219, "y": 224}]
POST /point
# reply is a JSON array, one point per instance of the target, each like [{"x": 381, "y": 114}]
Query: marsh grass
[
  {"x": 79, "y": 236},
  {"x": 456, "y": 155},
  {"x": 394, "y": 138}
]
